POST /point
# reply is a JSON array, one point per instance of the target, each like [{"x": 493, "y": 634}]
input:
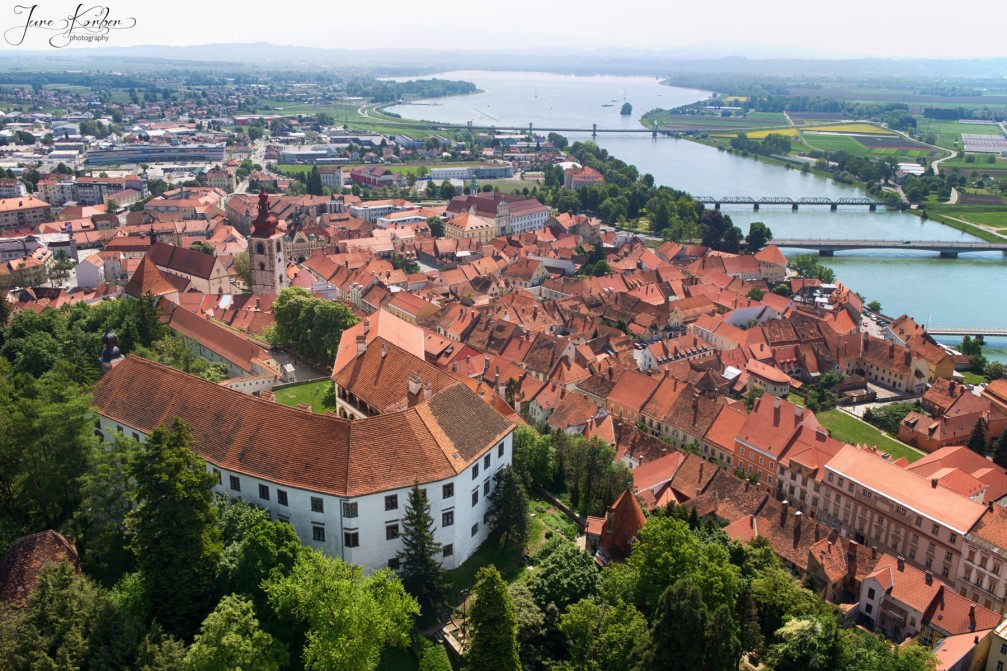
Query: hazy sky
[{"x": 753, "y": 27}]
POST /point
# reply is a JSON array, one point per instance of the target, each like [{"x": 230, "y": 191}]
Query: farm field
[
  {"x": 835, "y": 143},
  {"x": 987, "y": 215},
  {"x": 949, "y": 133},
  {"x": 860, "y": 128}
]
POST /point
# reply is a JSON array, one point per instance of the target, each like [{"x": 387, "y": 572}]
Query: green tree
[
  {"x": 100, "y": 521},
  {"x": 874, "y": 306},
  {"x": 431, "y": 189},
  {"x": 679, "y": 629},
  {"x": 230, "y": 638},
  {"x": 175, "y": 537},
  {"x": 159, "y": 651},
  {"x": 45, "y": 443},
  {"x": 422, "y": 575},
  {"x": 436, "y": 226},
  {"x": 312, "y": 325},
  {"x": 805, "y": 644},
  {"x": 807, "y": 265},
  {"x": 447, "y": 190},
  {"x": 531, "y": 625},
  {"x": 756, "y": 294},
  {"x": 493, "y": 623},
  {"x": 70, "y": 623},
  {"x": 509, "y": 509},
  {"x": 1000, "y": 454},
  {"x": 564, "y": 575},
  {"x": 349, "y": 618},
  {"x": 758, "y": 236},
  {"x": 259, "y": 551},
  {"x": 778, "y": 596},
  {"x": 605, "y": 637},
  {"x": 977, "y": 439},
  {"x": 202, "y": 247},
  {"x": 243, "y": 269}
]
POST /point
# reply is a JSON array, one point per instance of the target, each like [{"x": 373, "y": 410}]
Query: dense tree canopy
[{"x": 313, "y": 326}]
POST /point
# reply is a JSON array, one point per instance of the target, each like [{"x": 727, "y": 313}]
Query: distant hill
[{"x": 694, "y": 59}]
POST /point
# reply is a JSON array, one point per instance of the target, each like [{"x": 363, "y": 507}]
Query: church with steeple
[{"x": 266, "y": 253}]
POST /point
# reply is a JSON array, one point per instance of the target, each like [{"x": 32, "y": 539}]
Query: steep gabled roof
[{"x": 434, "y": 440}]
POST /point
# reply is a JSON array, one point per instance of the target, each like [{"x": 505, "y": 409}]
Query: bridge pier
[
  {"x": 826, "y": 252},
  {"x": 833, "y": 207},
  {"x": 794, "y": 207},
  {"x": 716, "y": 205},
  {"x": 873, "y": 207},
  {"x": 949, "y": 255},
  {"x": 594, "y": 130},
  {"x": 755, "y": 207}
]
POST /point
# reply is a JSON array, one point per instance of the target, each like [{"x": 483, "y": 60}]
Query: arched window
[
  {"x": 262, "y": 266},
  {"x": 260, "y": 248}
]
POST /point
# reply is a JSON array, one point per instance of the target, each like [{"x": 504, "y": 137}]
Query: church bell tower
[{"x": 266, "y": 255}]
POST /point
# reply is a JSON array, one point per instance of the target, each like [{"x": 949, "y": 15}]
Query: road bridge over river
[
  {"x": 946, "y": 248},
  {"x": 794, "y": 203}
]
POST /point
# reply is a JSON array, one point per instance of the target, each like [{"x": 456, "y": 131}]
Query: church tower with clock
[{"x": 266, "y": 255}]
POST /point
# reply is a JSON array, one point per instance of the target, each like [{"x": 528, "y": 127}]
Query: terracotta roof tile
[
  {"x": 321, "y": 453},
  {"x": 28, "y": 555}
]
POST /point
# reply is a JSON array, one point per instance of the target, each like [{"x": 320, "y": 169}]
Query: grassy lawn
[
  {"x": 464, "y": 577},
  {"x": 973, "y": 378},
  {"x": 851, "y": 430},
  {"x": 316, "y": 394},
  {"x": 546, "y": 521}
]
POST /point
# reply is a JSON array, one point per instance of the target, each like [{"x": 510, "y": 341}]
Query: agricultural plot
[
  {"x": 827, "y": 142},
  {"x": 787, "y": 131},
  {"x": 857, "y": 128},
  {"x": 966, "y": 198}
]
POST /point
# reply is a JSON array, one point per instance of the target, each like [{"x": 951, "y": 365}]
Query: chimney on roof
[
  {"x": 798, "y": 412},
  {"x": 384, "y": 351},
  {"x": 891, "y": 349},
  {"x": 929, "y": 577},
  {"x": 454, "y": 366},
  {"x": 989, "y": 507},
  {"x": 972, "y": 613},
  {"x": 415, "y": 383},
  {"x": 361, "y": 344},
  {"x": 933, "y": 483},
  {"x": 783, "y": 512},
  {"x": 367, "y": 325},
  {"x": 797, "y": 524},
  {"x": 901, "y": 563},
  {"x": 428, "y": 391},
  {"x": 874, "y": 552}
]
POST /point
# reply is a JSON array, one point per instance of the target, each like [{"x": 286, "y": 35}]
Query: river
[{"x": 943, "y": 292}]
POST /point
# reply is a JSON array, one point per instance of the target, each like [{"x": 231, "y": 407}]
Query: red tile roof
[
  {"x": 28, "y": 555},
  {"x": 432, "y": 441}
]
